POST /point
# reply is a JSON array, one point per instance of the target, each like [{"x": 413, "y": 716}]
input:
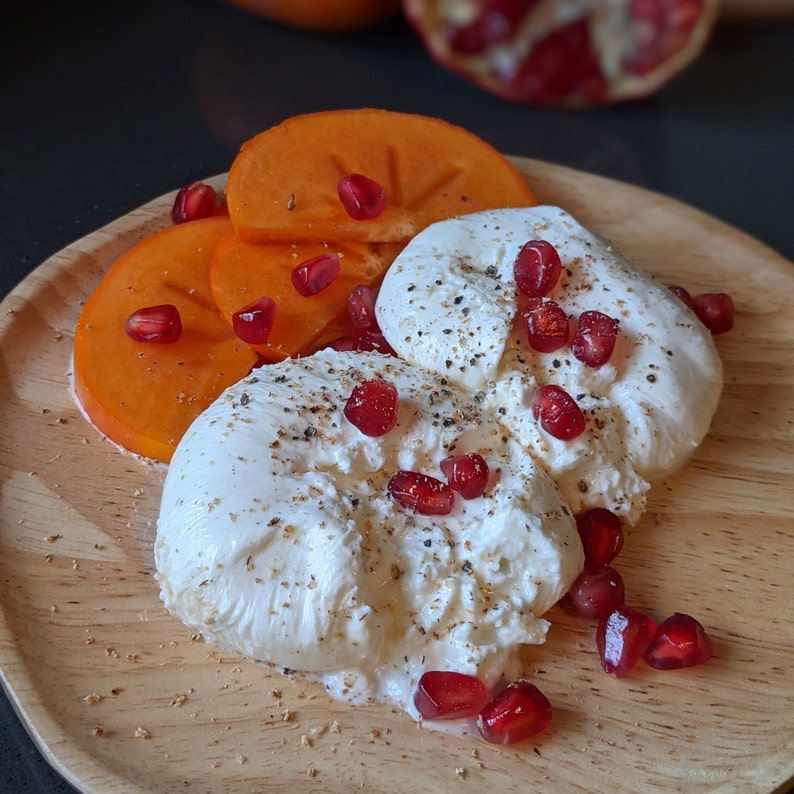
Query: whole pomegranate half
[{"x": 566, "y": 53}]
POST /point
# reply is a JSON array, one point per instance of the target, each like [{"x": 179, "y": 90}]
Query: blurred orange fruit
[{"x": 322, "y": 16}]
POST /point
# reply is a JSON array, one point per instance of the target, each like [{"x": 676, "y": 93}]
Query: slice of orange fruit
[
  {"x": 242, "y": 273},
  {"x": 144, "y": 395},
  {"x": 283, "y": 183}
]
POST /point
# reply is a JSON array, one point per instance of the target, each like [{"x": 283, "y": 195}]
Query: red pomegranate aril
[
  {"x": 314, "y": 275},
  {"x": 161, "y": 324},
  {"x": 664, "y": 27},
  {"x": 595, "y": 594},
  {"x": 373, "y": 407},
  {"x": 560, "y": 68},
  {"x": 537, "y": 268},
  {"x": 680, "y": 641},
  {"x": 362, "y": 197},
  {"x": 497, "y": 21},
  {"x": 443, "y": 695},
  {"x": 601, "y": 533},
  {"x": 193, "y": 201},
  {"x": 254, "y": 322},
  {"x": 594, "y": 339},
  {"x": 557, "y": 412},
  {"x": 361, "y": 307},
  {"x": 367, "y": 341},
  {"x": 467, "y": 474},
  {"x": 546, "y": 325},
  {"x": 421, "y": 493},
  {"x": 683, "y": 295},
  {"x": 519, "y": 711},
  {"x": 259, "y": 364},
  {"x": 715, "y": 310},
  {"x": 622, "y": 638}
]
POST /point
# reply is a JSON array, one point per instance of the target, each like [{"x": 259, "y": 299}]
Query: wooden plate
[{"x": 121, "y": 698}]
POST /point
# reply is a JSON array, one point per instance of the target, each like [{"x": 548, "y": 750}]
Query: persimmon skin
[{"x": 322, "y": 16}]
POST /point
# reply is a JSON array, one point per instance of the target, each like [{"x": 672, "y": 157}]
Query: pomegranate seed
[
  {"x": 421, "y": 493},
  {"x": 682, "y": 295},
  {"x": 373, "y": 406},
  {"x": 361, "y": 307},
  {"x": 594, "y": 339},
  {"x": 254, "y": 322},
  {"x": 715, "y": 310},
  {"x": 557, "y": 412},
  {"x": 449, "y": 696},
  {"x": 561, "y": 66},
  {"x": 537, "y": 268},
  {"x": 497, "y": 21},
  {"x": 622, "y": 638},
  {"x": 155, "y": 324},
  {"x": 343, "y": 344},
  {"x": 314, "y": 275},
  {"x": 663, "y": 28},
  {"x": 369, "y": 341},
  {"x": 680, "y": 641},
  {"x": 259, "y": 363},
  {"x": 362, "y": 197},
  {"x": 466, "y": 474},
  {"x": 192, "y": 202},
  {"x": 602, "y": 537},
  {"x": 546, "y": 325},
  {"x": 596, "y": 594},
  {"x": 516, "y": 713}
]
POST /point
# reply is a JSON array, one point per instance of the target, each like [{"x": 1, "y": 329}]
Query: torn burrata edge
[{"x": 449, "y": 303}]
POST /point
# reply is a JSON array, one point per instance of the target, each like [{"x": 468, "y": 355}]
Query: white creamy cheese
[
  {"x": 448, "y": 303},
  {"x": 277, "y": 537}
]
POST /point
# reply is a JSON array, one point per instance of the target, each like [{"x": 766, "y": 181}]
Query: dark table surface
[{"x": 105, "y": 106}]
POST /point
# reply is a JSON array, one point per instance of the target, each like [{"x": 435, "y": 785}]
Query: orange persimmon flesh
[
  {"x": 283, "y": 183},
  {"x": 144, "y": 395},
  {"x": 283, "y": 210},
  {"x": 242, "y": 272}
]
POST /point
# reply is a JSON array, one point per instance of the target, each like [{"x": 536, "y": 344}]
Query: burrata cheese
[
  {"x": 277, "y": 537},
  {"x": 449, "y": 303}
]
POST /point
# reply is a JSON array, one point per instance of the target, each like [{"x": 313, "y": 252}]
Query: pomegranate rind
[{"x": 604, "y": 28}]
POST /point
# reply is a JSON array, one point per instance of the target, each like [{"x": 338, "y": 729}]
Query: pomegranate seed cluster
[
  {"x": 597, "y": 369},
  {"x": 361, "y": 197}
]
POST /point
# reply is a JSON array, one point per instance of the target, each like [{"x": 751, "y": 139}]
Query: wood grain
[{"x": 121, "y": 698}]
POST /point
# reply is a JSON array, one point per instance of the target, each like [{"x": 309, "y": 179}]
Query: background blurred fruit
[
  {"x": 757, "y": 9},
  {"x": 322, "y": 16},
  {"x": 570, "y": 53}
]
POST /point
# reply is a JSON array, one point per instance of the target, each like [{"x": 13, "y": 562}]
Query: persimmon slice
[
  {"x": 141, "y": 395},
  {"x": 283, "y": 183},
  {"x": 243, "y": 272}
]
